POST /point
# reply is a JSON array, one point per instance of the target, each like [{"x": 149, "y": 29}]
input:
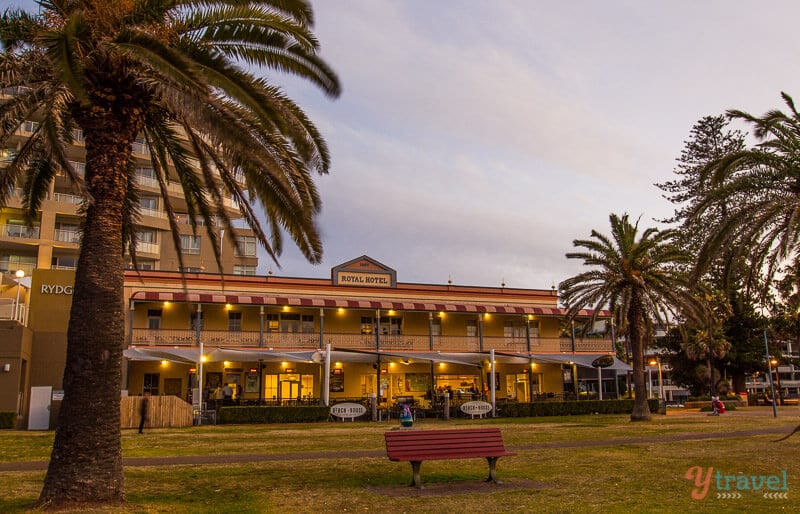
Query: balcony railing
[
  {"x": 68, "y": 236},
  {"x": 142, "y": 247},
  {"x": 140, "y": 147},
  {"x": 12, "y": 267},
  {"x": 146, "y": 180},
  {"x": 152, "y": 212},
  {"x": 67, "y": 198},
  {"x": 310, "y": 341},
  {"x": 20, "y": 231}
]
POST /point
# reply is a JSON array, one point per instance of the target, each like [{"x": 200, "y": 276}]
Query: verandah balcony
[{"x": 310, "y": 341}]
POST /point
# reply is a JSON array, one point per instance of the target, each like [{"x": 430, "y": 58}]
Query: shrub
[
  {"x": 556, "y": 408},
  {"x": 8, "y": 419},
  {"x": 273, "y": 414}
]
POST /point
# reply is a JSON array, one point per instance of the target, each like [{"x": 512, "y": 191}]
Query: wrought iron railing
[{"x": 310, "y": 341}]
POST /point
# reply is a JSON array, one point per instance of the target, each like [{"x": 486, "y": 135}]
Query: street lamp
[
  {"x": 774, "y": 362},
  {"x": 656, "y": 361},
  {"x": 20, "y": 274}
]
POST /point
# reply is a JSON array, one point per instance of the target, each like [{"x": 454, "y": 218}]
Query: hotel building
[{"x": 283, "y": 340}]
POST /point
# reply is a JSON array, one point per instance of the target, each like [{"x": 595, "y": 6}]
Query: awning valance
[
  {"x": 191, "y": 355},
  {"x": 333, "y": 303}
]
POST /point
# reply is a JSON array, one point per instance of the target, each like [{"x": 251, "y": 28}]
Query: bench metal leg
[
  {"x": 415, "y": 480},
  {"x": 492, "y": 471}
]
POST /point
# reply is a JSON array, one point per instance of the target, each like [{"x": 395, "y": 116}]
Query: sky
[{"x": 475, "y": 140}]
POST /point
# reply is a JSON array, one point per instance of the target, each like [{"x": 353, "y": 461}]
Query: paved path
[{"x": 237, "y": 458}]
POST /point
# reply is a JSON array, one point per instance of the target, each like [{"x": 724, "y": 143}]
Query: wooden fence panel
[{"x": 162, "y": 412}]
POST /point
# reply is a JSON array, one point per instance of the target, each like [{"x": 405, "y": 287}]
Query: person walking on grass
[{"x": 143, "y": 407}]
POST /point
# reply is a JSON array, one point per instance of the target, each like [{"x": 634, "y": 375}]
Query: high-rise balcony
[{"x": 20, "y": 231}]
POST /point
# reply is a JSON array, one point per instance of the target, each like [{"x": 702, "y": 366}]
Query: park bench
[{"x": 416, "y": 446}]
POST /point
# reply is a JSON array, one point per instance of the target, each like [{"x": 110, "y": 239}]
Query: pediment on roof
[{"x": 363, "y": 271}]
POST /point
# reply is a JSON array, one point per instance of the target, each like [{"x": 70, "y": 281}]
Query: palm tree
[
  {"x": 169, "y": 72},
  {"x": 635, "y": 275},
  {"x": 706, "y": 345},
  {"x": 762, "y": 227}
]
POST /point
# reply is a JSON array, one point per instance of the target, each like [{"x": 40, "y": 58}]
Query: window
[
  {"x": 366, "y": 325},
  {"x": 7, "y": 154},
  {"x": 534, "y": 329},
  {"x": 246, "y": 246},
  {"x": 15, "y": 262},
  {"x": 234, "y": 321},
  {"x": 389, "y": 325},
  {"x": 513, "y": 330},
  {"x": 67, "y": 232},
  {"x": 271, "y": 387},
  {"x": 154, "y": 319},
  {"x": 146, "y": 236},
  {"x": 151, "y": 384},
  {"x": 472, "y": 328},
  {"x": 147, "y": 172},
  {"x": 436, "y": 328},
  {"x": 239, "y": 269},
  {"x": 290, "y": 323},
  {"x": 307, "y": 323},
  {"x": 273, "y": 321},
  {"x": 64, "y": 262},
  {"x": 394, "y": 325},
  {"x": 148, "y": 205},
  {"x": 30, "y": 126},
  {"x": 190, "y": 244}
]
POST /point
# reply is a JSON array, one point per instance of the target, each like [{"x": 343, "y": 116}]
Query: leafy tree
[
  {"x": 710, "y": 139},
  {"x": 727, "y": 276},
  {"x": 172, "y": 74},
  {"x": 633, "y": 273}
]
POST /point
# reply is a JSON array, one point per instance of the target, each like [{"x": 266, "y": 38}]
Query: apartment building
[{"x": 54, "y": 239}]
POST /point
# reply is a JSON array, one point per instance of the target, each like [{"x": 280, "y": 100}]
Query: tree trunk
[
  {"x": 641, "y": 410},
  {"x": 86, "y": 461}
]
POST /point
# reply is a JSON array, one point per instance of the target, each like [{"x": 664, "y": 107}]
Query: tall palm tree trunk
[
  {"x": 641, "y": 411},
  {"x": 88, "y": 432}
]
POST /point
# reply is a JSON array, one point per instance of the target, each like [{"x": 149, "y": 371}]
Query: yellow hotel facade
[{"x": 283, "y": 340}]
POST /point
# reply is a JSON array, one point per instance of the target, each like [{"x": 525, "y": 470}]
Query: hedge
[
  {"x": 8, "y": 419},
  {"x": 556, "y": 408},
  {"x": 273, "y": 414}
]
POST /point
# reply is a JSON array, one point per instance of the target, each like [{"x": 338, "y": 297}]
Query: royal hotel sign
[{"x": 364, "y": 272}]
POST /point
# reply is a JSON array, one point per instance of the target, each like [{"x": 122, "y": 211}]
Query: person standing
[
  {"x": 227, "y": 394},
  {"x": 143, "y": 408},
  {"x": 218, "y": 397}
]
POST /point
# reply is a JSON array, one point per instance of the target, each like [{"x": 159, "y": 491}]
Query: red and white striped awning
[{"x": 332, "y": 303}]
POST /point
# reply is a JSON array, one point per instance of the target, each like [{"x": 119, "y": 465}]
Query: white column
[
  {"x": 326, "y": 379},
  {"x": 492, "y": 382}
]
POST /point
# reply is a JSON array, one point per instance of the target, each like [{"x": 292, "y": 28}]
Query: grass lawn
[{"x": 567, "y": 464}]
